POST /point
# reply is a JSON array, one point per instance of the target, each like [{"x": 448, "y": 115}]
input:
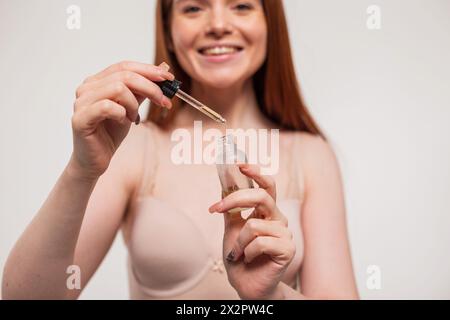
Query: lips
[{"x": 218, "y": 50}]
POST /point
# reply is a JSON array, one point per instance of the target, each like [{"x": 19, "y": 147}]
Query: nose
[{"x": 218, "y": 25}]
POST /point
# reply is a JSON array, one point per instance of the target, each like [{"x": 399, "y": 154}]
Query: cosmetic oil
[{"x": 228, "y": 157}]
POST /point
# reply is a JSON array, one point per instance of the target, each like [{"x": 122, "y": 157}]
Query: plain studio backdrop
[{"x": 382, "y": 97}]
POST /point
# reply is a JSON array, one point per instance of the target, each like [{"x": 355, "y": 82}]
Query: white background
[{"x": 383, "y": 98}]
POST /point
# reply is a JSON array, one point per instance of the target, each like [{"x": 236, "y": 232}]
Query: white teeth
[{"x": 220, "y": 50}]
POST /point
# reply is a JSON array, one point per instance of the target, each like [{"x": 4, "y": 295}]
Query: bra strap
[
  {"x": 149, "y": 162},
  {"x": 295, "y": 185}
]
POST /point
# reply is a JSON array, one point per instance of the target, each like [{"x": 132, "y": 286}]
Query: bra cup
[
  {"x": 169, "y": 255},
  {"x": 166, "y": 247}
]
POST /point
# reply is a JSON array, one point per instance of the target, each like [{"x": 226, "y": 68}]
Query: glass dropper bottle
[{"x": 172, "y": 88}]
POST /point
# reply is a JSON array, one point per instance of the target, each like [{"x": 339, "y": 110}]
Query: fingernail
[
  {"x": 138, "y": 119},
  {"x": 230, "y": 256},
  {"x": 214, "y": 208},
  {"x": 244, "y": 166},
  {"x": 166, "y": 103},
  {"x": 219, "y": 206},
  {"x": 164, "y": 66}
]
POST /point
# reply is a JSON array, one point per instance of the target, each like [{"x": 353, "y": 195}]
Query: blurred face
[{"x": 219, "y": 43}]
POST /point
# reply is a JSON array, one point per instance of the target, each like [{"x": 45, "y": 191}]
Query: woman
[{"x": 235, "y": 57}]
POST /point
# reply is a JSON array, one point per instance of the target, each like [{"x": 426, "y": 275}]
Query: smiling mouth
[{"x": 219, "y": 50}]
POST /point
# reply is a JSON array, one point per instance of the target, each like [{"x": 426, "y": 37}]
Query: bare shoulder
[
  {"x": 130, "y": 149},
  {"x": 317, "y": 157},
  {"x": 314, "y": 146},
  {"x": 142, "y": 131},
  {"x": 128, "y": 161},
  {"x": 139, "y": 137}
]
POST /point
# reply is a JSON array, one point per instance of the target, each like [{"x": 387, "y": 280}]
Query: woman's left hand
[{"x": 258, "y": 250}]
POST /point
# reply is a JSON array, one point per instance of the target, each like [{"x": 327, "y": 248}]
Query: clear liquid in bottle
[{"x": 228, "y": 157}]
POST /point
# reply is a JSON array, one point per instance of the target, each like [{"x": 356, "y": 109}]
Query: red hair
[{"x": 275, "y": 83}]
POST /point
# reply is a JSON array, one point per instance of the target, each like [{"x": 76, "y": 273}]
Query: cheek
[
  {"x": 182, "y": 36},
  {"x": 261, "y": 43},
  {"x": 256, "y": 35}
]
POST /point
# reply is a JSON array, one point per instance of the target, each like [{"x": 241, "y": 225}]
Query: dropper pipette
[{"x": 172, "y": 88}]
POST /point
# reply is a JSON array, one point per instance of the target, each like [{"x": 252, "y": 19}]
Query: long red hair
[{"x": 275, "y": 83}]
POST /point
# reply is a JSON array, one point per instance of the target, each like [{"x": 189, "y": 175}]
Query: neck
[{"x": 237, "y": 104}]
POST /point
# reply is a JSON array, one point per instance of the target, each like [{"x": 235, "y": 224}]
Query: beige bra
[{"x": 170, "y": 256}]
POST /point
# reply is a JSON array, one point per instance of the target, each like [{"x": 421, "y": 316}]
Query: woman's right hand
[{"x": 105, "y": 107}]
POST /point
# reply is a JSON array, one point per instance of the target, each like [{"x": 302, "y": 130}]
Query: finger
[
  {"x": 278, "y": 216},
  {"x": 265, "y": 182},
  {"x": 258, "y": 198},
  {"x": 151, "y": 72},
  {"x": 140, "y": 99},
  {"x": 115, "y": 91},
  {"x": 88, "y": 118},
  {"x": 164, "y": 66},
  {"x": 280, "y": 250},
  {"x": 139, "y": 85},
  {"x": 254, "y": 228}
]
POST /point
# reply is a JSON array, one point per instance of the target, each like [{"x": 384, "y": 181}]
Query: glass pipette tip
[{"x": 200, "y": 106}]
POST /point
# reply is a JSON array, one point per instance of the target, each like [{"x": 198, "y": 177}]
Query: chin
[
  {"x": 219, "y": 82},
  {"x": 221, "y": 78}
]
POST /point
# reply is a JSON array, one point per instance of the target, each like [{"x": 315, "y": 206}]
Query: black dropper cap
[{"x": 170, "y": 88}]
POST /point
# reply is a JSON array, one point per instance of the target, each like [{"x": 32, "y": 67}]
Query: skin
[{"x": 76, "y": 225}]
